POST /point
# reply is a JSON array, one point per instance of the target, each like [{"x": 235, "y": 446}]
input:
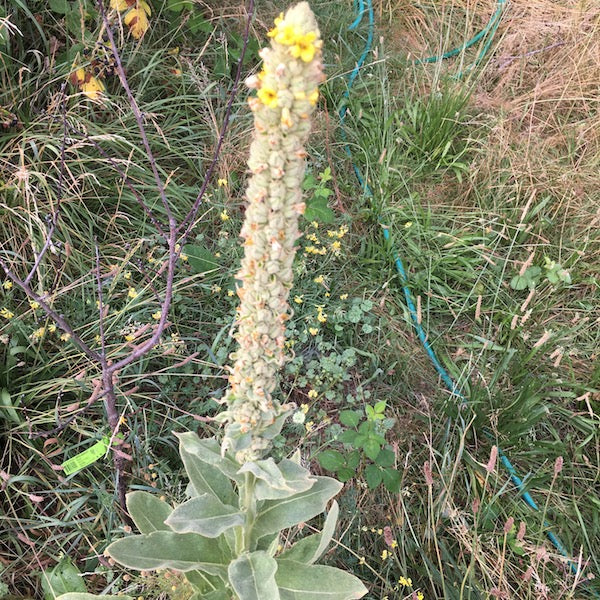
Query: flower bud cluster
[{"x": 286, "y": 96}]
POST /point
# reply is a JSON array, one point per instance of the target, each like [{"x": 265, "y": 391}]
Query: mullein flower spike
[{"x": 286, "y": 96}]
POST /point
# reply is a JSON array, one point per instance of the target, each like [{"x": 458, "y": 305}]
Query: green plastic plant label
[{"x": 86, "y": 458}]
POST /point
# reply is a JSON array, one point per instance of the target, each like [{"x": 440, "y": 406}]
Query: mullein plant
[{"x": 226, "y": 537}]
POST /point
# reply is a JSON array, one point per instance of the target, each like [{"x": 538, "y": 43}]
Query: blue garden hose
[{"x": 362, "y": 6}]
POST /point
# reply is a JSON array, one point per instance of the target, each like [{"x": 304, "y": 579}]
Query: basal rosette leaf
[
  {"x": 170, "y": 550},
  {"x": 298, "y": 581}
]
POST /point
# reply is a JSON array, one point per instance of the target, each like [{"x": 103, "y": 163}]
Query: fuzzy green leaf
[
  {"x": 205, "y": 515},
  {"x": 208, "y": 471},
  {"x": 275, "y": 515},
  {"x": 170, "y": 550},
  {"x": 298, "y": 581},
  {"x": 308, "y": 550},
  {"x": 201, "y": 259},
  {"x": 278, "y": 481},
  {"x": 252, "y": 576},
  {"x": 148, "y": 512}
]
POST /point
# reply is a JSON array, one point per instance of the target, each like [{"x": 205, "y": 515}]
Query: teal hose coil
[{"x": 366, "y": 6}]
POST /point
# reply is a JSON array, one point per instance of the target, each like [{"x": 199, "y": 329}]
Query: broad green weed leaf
[
  {"x": 349, "y": 418},
  {"x": 275, "y": 515},
  {"x": 373, "y": 475},
  {"x": 331, "y": 460},
  {"x": 205, "y": 515},
  {"x": 317, "y": 210},
  {"x": 298, "y": 581},
  {"x": 170, "y": 550},
  {"x": 62, "y": 578},
  {"x": 278, "y": 481},
  {"x": 252, "y": 576},
  {"x": 148, "y": 512},
  {"x": 201, "y": 259}
]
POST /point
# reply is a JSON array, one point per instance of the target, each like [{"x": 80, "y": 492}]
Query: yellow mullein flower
[
  {"x": 268, "y": 97},
  {"x": 304, "y": 48},
  {"x": 7, "y": 314},
  {"x": 314, "y": 96}
]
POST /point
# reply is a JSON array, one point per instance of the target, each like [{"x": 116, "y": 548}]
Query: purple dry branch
[{"x": 174, "y": 233}]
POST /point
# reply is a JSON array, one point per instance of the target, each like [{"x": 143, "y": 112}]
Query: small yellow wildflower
[
  {"x": 313, "y": 96},
  {"x": 313, "y": 330},
  {"x": 132, "y": 293},
  {"x": 156, "y": 316},
  {"x": 127, "y": 275},
  {"x": 313, "y": 394},
  {"x": 122, "y": 420},
  {"x": 336, "y": 246},
  {"x": 7, "y": 314},
  {"x": 319, "y": 279},
  {"x": 408, "y": 224},
  {"x": 304, "y": 408},
  {"x": 315, "y": 224},
  {"x": 385, "y": 555},
  {"x": 230, "y": 293},
  {"x": 34, "y": 305},
  {"x": 304, "y": 48},
  {"x": 224, "y": 215},
  {"x": 309, "y": 426},
  {"x": 222, "y": 182},
  {"x": 215, "y": 289},
  {"x": 420, "y": 596},
  {"x": 268, "y": 97},
  {"x": 7, "y": 285},
  {"x": 183, "y": 257},
  {"x": 38, "y": 334},
  {"x": 405, "y": 581},
  {"x": 321, "y": 315},
  {"x": 52, "y": 328},
  {"x": 343, "y": 296},
  {"x": 312, "y": 237},
  {"x": 298, "y": 299},
  {"x": 362, "y": 561},
  {"x": 130, "y": 337},
  {"x": 65, "y": 337}
]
